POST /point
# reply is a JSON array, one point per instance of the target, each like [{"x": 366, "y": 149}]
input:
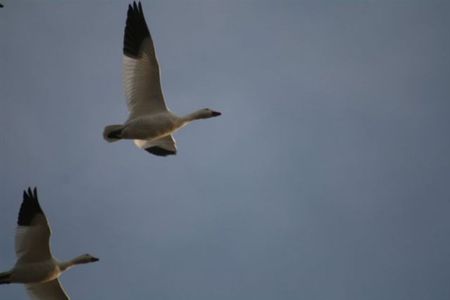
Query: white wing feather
[
  {"x": 140, "y": 67},
  {"x": 142, "y": 83},
  {"x": 51, "y": 290},
  {"x": 168, "y": 143},
  {"x": 33, "y": 242}
]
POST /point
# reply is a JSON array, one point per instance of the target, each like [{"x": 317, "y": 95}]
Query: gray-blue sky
[{"x": 326, "y": 177}]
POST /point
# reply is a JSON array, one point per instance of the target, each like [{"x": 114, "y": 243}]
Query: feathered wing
[
  {"x": 33, "y": 232},
  {"x": 161, "y": 147},
  {"x": 51, "y": 290},
  {"x": 140, "y": 67}
]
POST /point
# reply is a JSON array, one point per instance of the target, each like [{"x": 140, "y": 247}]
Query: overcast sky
[{"x": 326, "y": 177}]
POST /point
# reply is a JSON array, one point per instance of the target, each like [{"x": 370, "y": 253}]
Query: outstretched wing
[
  {"x": 161, "y": 147},
  {"x": 51, "y": 290},
  {"x": 33, "y": 231},
  {"x": 140, "y": 67}
]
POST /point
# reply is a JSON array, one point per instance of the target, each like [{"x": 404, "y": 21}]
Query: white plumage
[
  {"x": 36, "y": 267},
  {"x": 150, "y": 123}
]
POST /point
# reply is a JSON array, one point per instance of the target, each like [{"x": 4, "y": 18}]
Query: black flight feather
[
  {"x": 160, "y": 151},
  {"x": 136, "y": 30},
  {"x": 30, "y": 207}
]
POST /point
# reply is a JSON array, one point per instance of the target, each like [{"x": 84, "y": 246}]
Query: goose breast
[
  {"x": 151, "y": 126},
  {"x": 36, "y": 272}
]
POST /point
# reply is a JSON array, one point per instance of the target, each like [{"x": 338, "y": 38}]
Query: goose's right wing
[
  {"x": 161, "y": 147},
  {"x": 33, "y": 231},
  {"x": 140, "y": 66},
  {"x": 51, "y": 290}
]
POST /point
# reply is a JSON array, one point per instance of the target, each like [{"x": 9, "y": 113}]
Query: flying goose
[
  {"x": 36, "y": 267},
  {"x": 150, "y": 123}
]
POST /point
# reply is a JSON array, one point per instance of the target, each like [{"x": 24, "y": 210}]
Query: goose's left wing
[
  {"x": 140, "y": 66},
  {"x": 51, "y": 290},
  {"x": 33, "y": 231}
]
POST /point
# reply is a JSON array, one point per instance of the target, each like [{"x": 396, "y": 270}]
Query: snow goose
[
  {"x": 150, "y": 123},
  {"x": 36, "y": 267}
]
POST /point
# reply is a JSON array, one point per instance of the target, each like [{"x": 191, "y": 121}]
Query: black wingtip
[
  {"x": 136, "y": 30},
  {"x": 29, "y": 208},
  {"x": 158, "y": 151}
]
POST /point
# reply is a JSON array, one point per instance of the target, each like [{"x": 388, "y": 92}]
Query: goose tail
[
  {"x": 112, "y": 133},
  {"x": 4, "y": 277}
]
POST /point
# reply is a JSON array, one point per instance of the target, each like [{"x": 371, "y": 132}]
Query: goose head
[
  {"x": 85, "y": 258},
  {"x": 82, "y": 259},
  {"x": 206, "y": 113}
]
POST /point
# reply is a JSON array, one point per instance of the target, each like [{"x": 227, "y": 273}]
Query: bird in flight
[
  {"x": 36, "y": 267},
  {"x": 150, "y": 123}
]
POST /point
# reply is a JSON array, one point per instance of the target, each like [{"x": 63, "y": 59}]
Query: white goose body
[
  {"x": 150, "y": 123},
  {"x": 35, "y": 272},
  {"x": 36, "y": 267},
  {"x": 152, "y": 127}
]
